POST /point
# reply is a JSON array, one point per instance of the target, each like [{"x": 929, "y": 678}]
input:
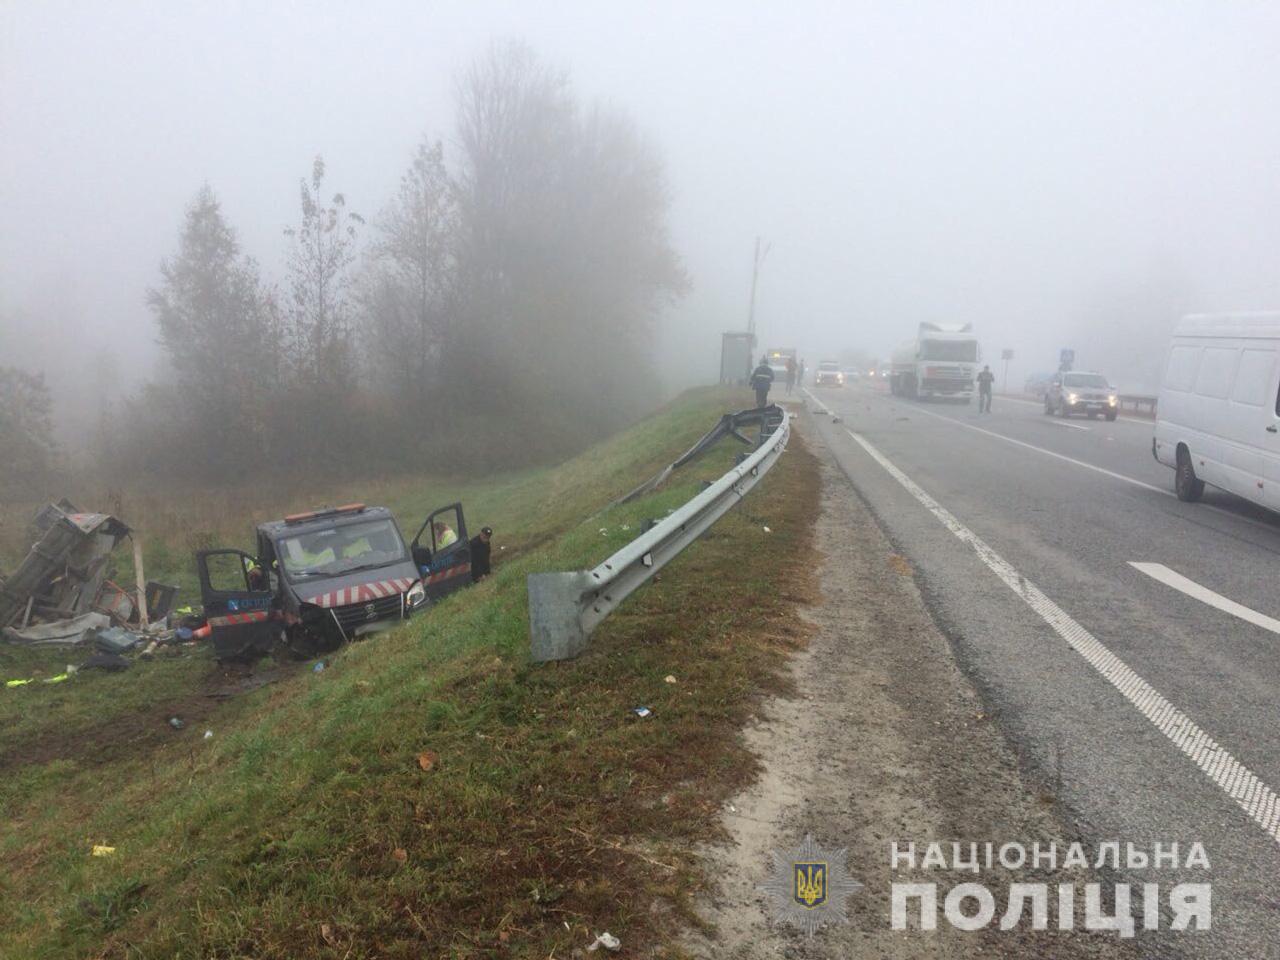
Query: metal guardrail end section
[
  {"x": 565, "y": 607},
  {"x": 555, "y": 615}
]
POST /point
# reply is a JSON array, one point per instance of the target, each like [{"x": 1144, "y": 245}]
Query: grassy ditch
[{"x": 430, "y": 793}]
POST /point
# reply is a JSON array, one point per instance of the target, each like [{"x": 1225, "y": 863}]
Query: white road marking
[
  {"x": 1158, "y": 571},
  {"x": 1253, "y": 796},
  {"x": 1089, "y": 466},
  {"x": 1047, "y": 453},
  {"x": 1064, "y": 423}
]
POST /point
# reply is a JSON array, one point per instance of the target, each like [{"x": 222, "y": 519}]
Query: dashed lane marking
[
  {"x": 1239, "y": 783},
  {"x": 1158, "y": 571}
]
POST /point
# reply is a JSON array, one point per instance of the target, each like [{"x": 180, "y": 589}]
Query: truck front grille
[{"x": 357, "y": 614}]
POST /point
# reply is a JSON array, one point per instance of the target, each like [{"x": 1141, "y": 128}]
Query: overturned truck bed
[{"x": 63, "y": 574}]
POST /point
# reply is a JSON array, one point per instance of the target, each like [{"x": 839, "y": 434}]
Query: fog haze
[{"x": 1059, "y": 177}]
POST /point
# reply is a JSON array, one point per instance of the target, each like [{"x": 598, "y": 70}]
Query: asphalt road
[{"x": 1132, "y": 695}]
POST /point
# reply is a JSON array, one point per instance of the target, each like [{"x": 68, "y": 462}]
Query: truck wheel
[
  {"x": 1111, "y": 416},
  {"x": 1185, "y": 483},
  {"x": 1062, "y": 409}
]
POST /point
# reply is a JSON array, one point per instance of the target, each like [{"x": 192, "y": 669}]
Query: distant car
[
  {"x": 1037, "y": 384},
  {"x": 828, "y": 374},
  {"x": 1080, "y": 392}
]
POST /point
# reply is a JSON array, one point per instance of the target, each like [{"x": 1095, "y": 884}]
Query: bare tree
[
  {"x": 408, "y": 287},
  {"x": 321, "y": 357}
]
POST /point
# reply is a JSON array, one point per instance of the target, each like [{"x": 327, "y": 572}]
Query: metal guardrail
[
  {"x": 1137, "y": 401},
  {"x": 564, "y": 608}
]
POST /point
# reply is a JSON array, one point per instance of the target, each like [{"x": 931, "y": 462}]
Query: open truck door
[
  {"x": 237, "y": 599},
  {"x": 442, "y": 552}
]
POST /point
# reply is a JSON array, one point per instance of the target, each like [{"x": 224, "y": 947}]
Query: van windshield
[
  {"x": 341, "y": 549},
  {"x": 1085, "y": 380},
  {"x": 828, "y": 365},
  {"x": 964, "y": 350}
]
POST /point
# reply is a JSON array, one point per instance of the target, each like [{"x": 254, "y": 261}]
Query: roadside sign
[
  {"x": 1006, "y": 354},
  {"x": 1066, "y": 358}
]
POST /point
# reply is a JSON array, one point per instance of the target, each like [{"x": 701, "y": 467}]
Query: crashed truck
[
  {"x": 60, "y": 592},
  {"x": 328, "y": 576}
]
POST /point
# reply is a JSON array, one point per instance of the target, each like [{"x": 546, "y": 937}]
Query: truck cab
[{"x": 327, "y": 576}]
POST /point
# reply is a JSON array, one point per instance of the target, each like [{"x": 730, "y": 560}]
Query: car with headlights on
[
  {"x": 1072, "y": 392},
  {"x": 828, "y": 374}
]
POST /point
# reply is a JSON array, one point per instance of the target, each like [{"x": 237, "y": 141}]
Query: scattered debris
[
  {"x": 18, "y": 683},
  {"x": 326, "y": 933},
  {"x": 208, "y": 735},
  {"x": 177, "y": 723},
  {"x": 642, "y": 712},
  {"x": 837, "y": 420},
  {"x": 606, "y": 940},
  {"x": 400, "y": 855},
  {"x": 72, "y": 631},
  {"x": 59, "y": 594},
  {"x": 669, "y": 679},
  {"x": 766, "y": 530},
  {"x": 115, "y": 640},
  {"x": 100, "y": 850},
  {"x": 427, "y": 759},
  {"x": 319, "y": 667}
]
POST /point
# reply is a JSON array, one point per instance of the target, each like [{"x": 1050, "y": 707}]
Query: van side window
[
  {"x": 1216, "y": 367},
  {"x": 1253, "y": 378},
  {"x": 1183, "y": 363}
]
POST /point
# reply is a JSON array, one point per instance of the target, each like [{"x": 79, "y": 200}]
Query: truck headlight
[
  {"x": 416, "y": 596},
  {"x": 1072, "y": 398},
  {"x": 1112, "y": 399}
]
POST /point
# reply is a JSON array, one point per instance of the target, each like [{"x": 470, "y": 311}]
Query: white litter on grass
[
  {"x": 767, "y": 530},
  {"x": 669, "y": 678},
  {"x": 606, "y": 940},
  {"x": 208, "y": 734}
]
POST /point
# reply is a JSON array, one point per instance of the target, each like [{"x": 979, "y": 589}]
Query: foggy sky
[{"x": 1023, "y": 166}]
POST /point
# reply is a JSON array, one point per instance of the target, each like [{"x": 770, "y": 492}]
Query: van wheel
[
  {"x": 1185, "y": 483},
  {"x": 1111, "y": 416}
]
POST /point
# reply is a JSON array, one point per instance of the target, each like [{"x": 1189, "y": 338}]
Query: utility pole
[{"x": 756, "y": 260}]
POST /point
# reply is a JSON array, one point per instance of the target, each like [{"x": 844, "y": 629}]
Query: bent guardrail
[{"x": 564, "y": 608}]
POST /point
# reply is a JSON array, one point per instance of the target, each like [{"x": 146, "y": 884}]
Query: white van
[{"x": 1218, "y": 416}]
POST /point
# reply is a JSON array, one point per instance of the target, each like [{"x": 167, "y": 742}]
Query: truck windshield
[
  {"x": 965, "y": 350},
  {"x": 341, "y": 549},
  {"x": 828, "y": 365}
]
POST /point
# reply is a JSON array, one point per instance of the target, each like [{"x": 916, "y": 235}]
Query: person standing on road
[
  {"x": 985, "y": 379},
  {"x": 800, "y": 374},
  {"x": 791, "y": 374},
  {"x": 761, "y": 381}
]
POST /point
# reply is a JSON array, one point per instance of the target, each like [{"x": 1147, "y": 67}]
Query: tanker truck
[{"x": 942, "y": 361}]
